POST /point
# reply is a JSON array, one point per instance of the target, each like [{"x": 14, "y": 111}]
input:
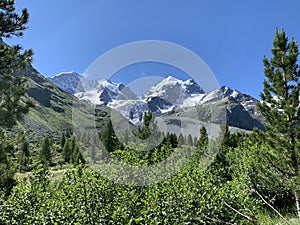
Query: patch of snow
[
  {"x": 166, "y": 110},
  {"x": 234, "y": 93},
  {"x": 192, "y": 101},
  {"x": 92, "y": 96}
]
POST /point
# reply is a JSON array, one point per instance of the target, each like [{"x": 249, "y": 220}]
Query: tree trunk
[{"x": 297, "y": 204}]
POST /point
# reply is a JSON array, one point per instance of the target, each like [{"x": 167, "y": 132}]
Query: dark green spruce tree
[
  {"x": 280, "y": 107},
  {"x": 201, "y": 143},
  {"x": 144, "y": 132},
  {"x": 25, "y": 148},
  {"x": 109, "y": 138},
  {"x": 77, "y": 157},
  {"x": 62, "y": 140},
  {"x": 45, "y": 151},
  {"x": 67, "y": 151},
  {"x": 203, "y": 140},
  {"x": 221, "y": 162}
]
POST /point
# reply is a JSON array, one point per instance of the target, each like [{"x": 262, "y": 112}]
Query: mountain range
[
  {"x": 55, "y": 99},
  {"x": 171, "y": 96}
]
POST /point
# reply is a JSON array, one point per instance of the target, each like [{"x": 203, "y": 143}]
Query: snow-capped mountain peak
[
  {"x": 65, "y": 74},
  {"x": 174, "y": 90}
]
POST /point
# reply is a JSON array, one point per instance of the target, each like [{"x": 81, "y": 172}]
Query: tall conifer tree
[
  {"x": 203, "y": 140},
  {"x": 280, "y": 107},
  {"x": 45, "y": 151},
  {"x": 13, "y": 105},
  {"x": 108, "y": 137}
]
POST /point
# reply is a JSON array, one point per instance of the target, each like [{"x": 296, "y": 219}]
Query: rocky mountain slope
[{"x": 52, "y": 113}]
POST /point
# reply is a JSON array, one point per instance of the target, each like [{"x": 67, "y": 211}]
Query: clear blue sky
[{"x": 230, "y": 36}]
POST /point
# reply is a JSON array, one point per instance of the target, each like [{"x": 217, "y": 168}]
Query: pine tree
[
  {"x": 147, "y": 118},
  {"x": 24, "y": 143},
  {"x": 203, "y": 140},
  {"x": 45, "y": 152},
  {"x": 221, "y": 161},
  {"x": 280, "y": 107},
  {"x": 144, "y": 132},
  {"x": 62, "y": 140},
  {"x": 24, "y": 154},
  {"x": 76, "y": 156},
  {"x": 13, "y": 104},
  {"x": 67, "y": 151},
  {"x": 172, "y": 140},
  {"x": 25, "y": 148},
  {"x": 201, "y": 144},
  {"x": 69, "y": 132},
  {"x": 13, "y": 88},
  {"x": 108, "y": 137},
  {"x": 73, "y": 143}
]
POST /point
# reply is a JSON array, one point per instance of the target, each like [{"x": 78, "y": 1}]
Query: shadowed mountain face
[
  {"x": 52, "y": 113},
  {"x": 241, "y": 109},
  {"x": 174, "y": 96}
]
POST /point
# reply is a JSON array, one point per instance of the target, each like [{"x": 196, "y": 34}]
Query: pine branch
[{"x": 285, "y": 173}]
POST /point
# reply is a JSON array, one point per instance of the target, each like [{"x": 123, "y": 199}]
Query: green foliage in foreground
[
  {"x": 194, "y": 195},
  {"x": 85, "y": 197}
]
